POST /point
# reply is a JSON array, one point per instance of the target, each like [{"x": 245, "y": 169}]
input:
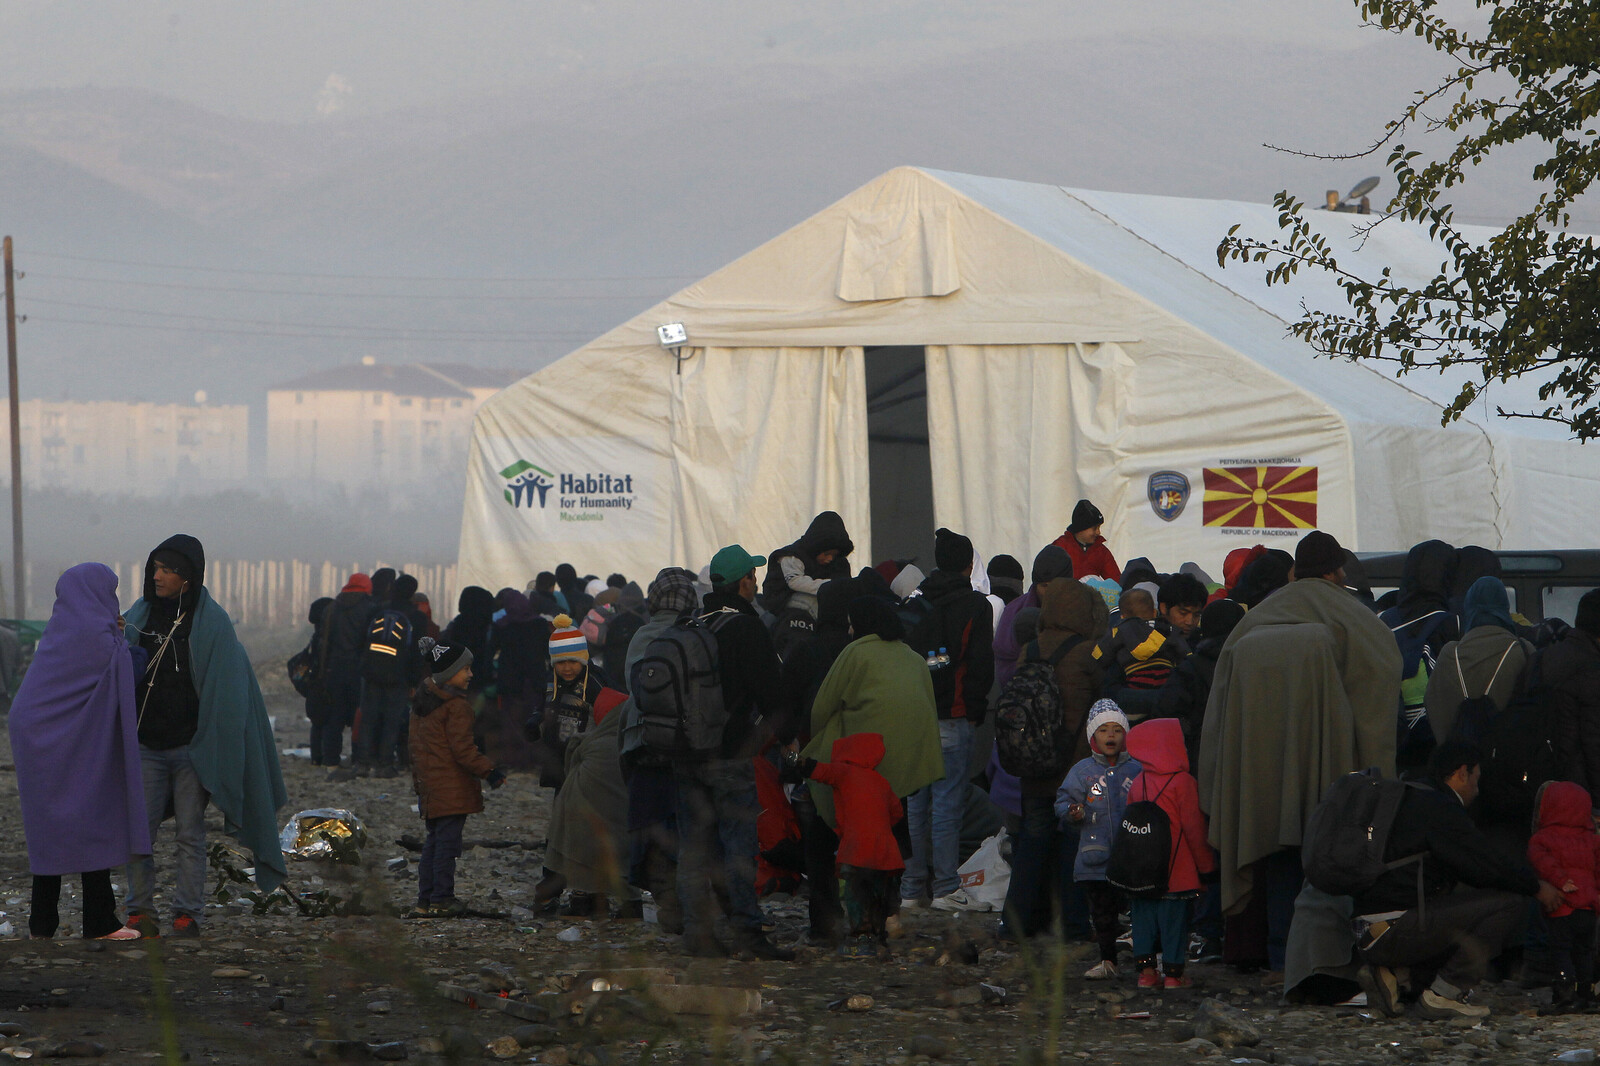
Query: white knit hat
[{"x": 1106, "y": 711}]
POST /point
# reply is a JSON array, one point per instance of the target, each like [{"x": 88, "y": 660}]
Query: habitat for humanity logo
[{"x": 580, "y": 497}]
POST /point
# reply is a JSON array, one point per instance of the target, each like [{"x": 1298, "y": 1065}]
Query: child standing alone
[
  {"x": 1158, "y": 747},
  {"x": 1090, "y": 802},
  {"x": 1565, "y": 851},
  {"x": 445, "y": 768}
]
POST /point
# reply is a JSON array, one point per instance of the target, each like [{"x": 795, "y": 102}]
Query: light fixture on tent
[
  {"x": 673, "y": 336},
  {"x": 1355, "y": 202}
]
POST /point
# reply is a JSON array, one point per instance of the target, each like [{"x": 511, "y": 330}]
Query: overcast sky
[{"x": 292, "y": 60}]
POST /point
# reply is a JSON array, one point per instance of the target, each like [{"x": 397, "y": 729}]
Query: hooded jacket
[
  {"x": 1091, "y": 560},
  {"x": 168, "y": 699},
  {"x": 1158, "y": 746},
  {"x": 445, "y": 763},
  {"x": 1233, "y": 568},
  {"x": 1564, "y": 847},
  {"x": 793, "y": 574},
  {"x": 344, "y": 631},
  {"x": 1492, "y": 662},
  {"x": 1069, "y": 609},
  {"x": 864, "y": 804},
  {"x": 1102, "y": 785},
  {"x": 961, "y": 623}
]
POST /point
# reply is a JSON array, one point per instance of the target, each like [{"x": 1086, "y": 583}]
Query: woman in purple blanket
[{"x": 74, "y": 741}]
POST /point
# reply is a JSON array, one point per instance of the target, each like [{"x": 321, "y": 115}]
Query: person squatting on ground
[
  {"x": 445, "y": 769},
  {"x": 74, "y": 739},
  {"x": 1091, "y": 801},
  {"x": 1158, "y": 747},
  {"x": 1565, "y": 852},
  {"x": 204, "y": 736}
]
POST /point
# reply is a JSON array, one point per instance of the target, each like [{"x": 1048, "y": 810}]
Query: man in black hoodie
[
  {"x": 169, "y": 716},
  {"x": 956, "y": 638},
  {"x": 717, "y": 801},
  {"x": 345, "y": 636}
]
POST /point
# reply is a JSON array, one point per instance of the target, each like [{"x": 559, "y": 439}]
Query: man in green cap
[{"x": 717, "y": 795}]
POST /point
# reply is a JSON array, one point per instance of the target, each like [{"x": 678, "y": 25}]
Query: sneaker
[
  {"x": 421, "y": 910},
  {"x": 448, "y": 908},
  {"x": 762, "y": 947},
  {"x": 1104, "y": 970},
  {"x": 1185, "y": 981},
  {"x": 121, "y": 934},
  {"x": 958, "y": 901},
  {"x": 1434, "y": 1007},
  {"x": 1210, "y": 950},
  {"x": 1149, "y": 979},
  {"x": 143, "y": 924},
  {"x": 1382, "y": 989},
  {"x": 185, "y": 926}
]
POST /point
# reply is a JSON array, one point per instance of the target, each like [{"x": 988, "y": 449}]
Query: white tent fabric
[{"x": 1076, "y": 344}]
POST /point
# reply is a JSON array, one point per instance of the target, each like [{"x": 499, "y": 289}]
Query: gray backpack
[{"x": 677, "y": 688}]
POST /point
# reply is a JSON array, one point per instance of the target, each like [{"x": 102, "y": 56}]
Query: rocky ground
[{"x": 270, "y": 988}]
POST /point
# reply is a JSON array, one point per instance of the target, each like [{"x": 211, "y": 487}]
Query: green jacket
[{"x": 878, "y": 686}]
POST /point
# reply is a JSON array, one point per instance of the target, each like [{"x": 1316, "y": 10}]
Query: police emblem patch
[{"x": 1169, "y": 492}]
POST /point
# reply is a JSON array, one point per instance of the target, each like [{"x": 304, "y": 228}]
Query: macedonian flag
[{"x": 1261, "y": 497}]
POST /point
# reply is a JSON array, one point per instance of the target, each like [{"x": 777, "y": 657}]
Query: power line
[
  {"x": 278, "y": 324},
  {"x": 303, "y": 335},
  {"x": 355, "y": 277},
  {"x": 546, "y": 298}
]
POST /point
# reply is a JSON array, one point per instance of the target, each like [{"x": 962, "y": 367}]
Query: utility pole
[{"x": 18, "y": 587}]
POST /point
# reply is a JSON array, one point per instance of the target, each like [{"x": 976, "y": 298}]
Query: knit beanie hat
[
  {"x": 951, "y": 551},
  {"x": 1588, "y": 616},
  {"x": 443, "y": 661},
  {"x": 1005, "y": 573},
  {"x": 1219, "y": 618},
  {"x": 1025, "y": 626},
  {"x": 1051, "y": 562},
  {"x": 1085, "y": 516},
  {"x": 1106, "y": 711},
  {"x": 1318, "y": 553},
  {"x": 567, "y": 641}
]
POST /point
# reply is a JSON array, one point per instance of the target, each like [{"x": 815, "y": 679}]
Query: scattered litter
[
  {"x": 397, "y": 863},
  {"x": 1135, "y": 1016},
  {"x": 570, "y": 935},
  {"x": 297, "y": 753},
  {"x": 324, "y": 833},
  {"x": 1582, "y": 1054},
  {"x": 1357, "y": 1000},
  {"x": 5, "y": 928}
]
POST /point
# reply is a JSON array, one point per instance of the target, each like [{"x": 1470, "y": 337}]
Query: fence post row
[{"x": 273, "y": 592}]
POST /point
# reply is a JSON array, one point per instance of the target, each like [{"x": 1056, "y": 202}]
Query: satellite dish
[{"x": 1364, "y": 186}]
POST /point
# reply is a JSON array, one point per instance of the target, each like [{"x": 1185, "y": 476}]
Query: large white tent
[{"x": 944, "y": 349}]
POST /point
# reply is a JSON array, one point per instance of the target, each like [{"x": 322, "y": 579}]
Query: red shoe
[
  {"x": 185, "y": 926},
  {"x": 1178, "y": 982},
  {"x": 143, "y": 924},
  {"x": 1149, "y": 979}
]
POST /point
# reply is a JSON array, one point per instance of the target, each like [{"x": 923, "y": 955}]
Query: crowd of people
[{"x": 1154, "y": 744}]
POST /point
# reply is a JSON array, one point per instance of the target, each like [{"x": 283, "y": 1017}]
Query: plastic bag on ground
[{"x": 986, "y": 876}]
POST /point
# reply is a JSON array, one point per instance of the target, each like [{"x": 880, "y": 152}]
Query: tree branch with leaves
[{"x": 1525, "y": 303}]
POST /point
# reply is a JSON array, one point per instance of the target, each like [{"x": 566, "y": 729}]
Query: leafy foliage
[{"x": 1526, "y": 303}]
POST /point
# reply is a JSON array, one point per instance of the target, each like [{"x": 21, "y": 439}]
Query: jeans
[
  {"x": 1462, "y": 933},
  {"x": 1035, "y": 869},
  {"x": 1165, "y": 921},
  {"x": 169, "y": 777},
  {"x": 384, "y": 710},
  {"x": 717, "y": 809},
  {"x": 436, "y": 869},
  {"x": 934, "y": 814},
  {"x": 99, "y": 905}
]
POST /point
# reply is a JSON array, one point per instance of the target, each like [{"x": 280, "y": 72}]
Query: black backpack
[
  {"x": 1475, "y": 714},
  {"x": 677, "y": 687},
  {"x": 1519, "y": 753},
  {"x": 1141, "y": 852},
  {"x": 1349, "y": 830},
  {"x": 1031, "y": 734},
  {"x": 303, "y": 668},
  {"x": 388, "y": 640}
]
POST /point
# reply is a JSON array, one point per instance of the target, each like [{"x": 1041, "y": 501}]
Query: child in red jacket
[
  {"x": 1565, "y": 851},
  {"x": 1158, "y": 746},
  {"x": 867, "y": 810}
]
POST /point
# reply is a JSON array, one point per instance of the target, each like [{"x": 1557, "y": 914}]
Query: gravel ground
[{"x": 262, "y": 988}]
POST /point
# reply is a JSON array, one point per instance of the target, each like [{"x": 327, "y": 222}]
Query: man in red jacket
[{"x": 1086, "y": 547}]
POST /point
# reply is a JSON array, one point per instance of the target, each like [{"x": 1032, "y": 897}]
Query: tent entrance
[{"x": 899, "y": 469}]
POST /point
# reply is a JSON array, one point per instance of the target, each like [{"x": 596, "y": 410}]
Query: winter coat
[
  {"x": 1007, "y": 649},
  {"x": 879, "y": 686},
  {"x": 346, "y": 631},
  {"x": 1095, "y": 560},
  {"x": 1570, "y": 673},
  {"x": 752, "y": 678},
  {"x": 1070, "y": 609},
  {"x": 588, "y": 831},
  {"x": 1183, "y": 697},
  {"x": 793, "y": 574},
  {"x": 1158, "y": 746},
  {"x": 864, "y": 804},
  {"x": 445, "y": 763},
  {"x": 962, "y": 623},
  {"x": 1485, "y": 654},
  {"x": 1102, "y": 787},
  {"x": 1564, "y": 846}
]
